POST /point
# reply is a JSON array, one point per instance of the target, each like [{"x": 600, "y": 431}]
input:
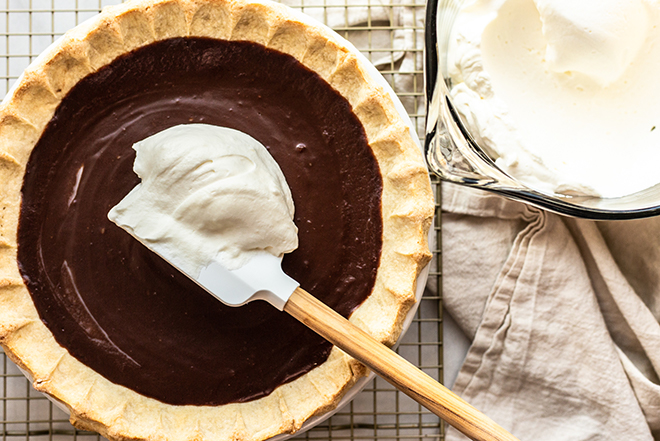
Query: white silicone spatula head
[{"x": 261, "y": 278}]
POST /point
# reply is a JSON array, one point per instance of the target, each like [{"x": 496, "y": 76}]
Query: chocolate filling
[{"x": 126, "y": 313}]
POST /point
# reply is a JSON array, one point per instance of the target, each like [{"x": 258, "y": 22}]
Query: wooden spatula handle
[{"x": 393, "y": 368}]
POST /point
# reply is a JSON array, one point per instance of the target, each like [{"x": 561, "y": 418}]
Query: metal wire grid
[{"x": 380, "y": 412}]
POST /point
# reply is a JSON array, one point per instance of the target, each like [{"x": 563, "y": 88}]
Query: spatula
[{"x": 262, "y": 278}]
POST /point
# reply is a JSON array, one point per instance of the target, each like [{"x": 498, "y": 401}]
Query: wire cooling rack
[{"x": 390, "y": 34}]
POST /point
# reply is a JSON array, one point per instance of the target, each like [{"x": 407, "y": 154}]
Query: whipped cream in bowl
[{"x": 553, "y": 102}]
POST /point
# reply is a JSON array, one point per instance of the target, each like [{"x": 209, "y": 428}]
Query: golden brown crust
[{"x": 407, "y": 208}]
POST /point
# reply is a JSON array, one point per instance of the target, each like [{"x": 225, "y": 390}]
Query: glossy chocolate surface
[{"x": 123, "y": 311}]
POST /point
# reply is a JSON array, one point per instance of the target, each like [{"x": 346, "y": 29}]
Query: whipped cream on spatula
[{"x": 208, "y": 194}]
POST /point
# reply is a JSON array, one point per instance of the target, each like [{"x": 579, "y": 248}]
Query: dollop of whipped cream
[
  {"x": 598, "y": 38},
  {"x": 562, "y": 93},
  {"x": 208, "y": 193}
]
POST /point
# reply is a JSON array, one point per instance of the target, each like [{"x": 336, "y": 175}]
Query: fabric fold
[{"x": 548, "y": 359}]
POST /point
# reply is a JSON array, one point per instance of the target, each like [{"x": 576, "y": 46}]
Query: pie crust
[{"x": 407, "y": 208}]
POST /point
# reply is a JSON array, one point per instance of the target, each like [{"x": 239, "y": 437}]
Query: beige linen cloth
[{"x": 562, "y": 314}]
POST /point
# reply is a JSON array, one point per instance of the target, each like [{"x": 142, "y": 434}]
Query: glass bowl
[{"x": 454, "y": 155}]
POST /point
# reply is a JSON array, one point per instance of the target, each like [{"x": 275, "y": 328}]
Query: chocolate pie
[{"x": 130, "y": 346}]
